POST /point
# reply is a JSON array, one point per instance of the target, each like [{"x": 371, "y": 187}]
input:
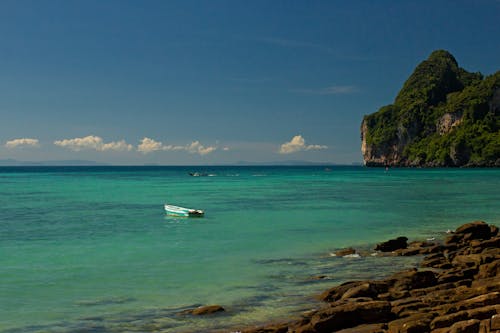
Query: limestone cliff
[{"x": 443, "y": 116}]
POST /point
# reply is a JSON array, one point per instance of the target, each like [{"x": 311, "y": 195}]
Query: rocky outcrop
[
  {"x": 455, "y": 289},
  {"x": 436, "y": 119},
  {"x": 393, "y": 245}
]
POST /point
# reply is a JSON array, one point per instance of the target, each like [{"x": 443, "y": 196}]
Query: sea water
[{"x": 90, "y": 249}]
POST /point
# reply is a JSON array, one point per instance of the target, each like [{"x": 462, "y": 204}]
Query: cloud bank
[
  {"x": 298, "y": 144},
  {"x": 149, "y": 145},
  {"x": 23, "y": 142},
  {"x": 92, "y": 142}
]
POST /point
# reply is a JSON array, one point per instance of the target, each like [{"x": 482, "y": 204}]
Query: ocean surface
[{"x": 90, "y": 249}]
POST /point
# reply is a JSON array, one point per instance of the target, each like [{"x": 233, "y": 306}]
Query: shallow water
[{"x": 89, "y": 249}]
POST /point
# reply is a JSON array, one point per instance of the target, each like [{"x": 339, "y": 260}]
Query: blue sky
[{"x": 208, "y": 82}]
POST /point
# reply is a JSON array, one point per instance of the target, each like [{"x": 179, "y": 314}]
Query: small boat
[{"x": 181, "y": 211}]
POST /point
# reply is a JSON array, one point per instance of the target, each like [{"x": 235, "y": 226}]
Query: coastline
[{"x": 455, "y": 289}]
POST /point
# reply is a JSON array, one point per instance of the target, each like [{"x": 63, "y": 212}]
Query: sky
[{"x": 217, "y": 82}]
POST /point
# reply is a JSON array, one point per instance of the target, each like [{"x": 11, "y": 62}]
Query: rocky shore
[{"x": 455, "y": 289}]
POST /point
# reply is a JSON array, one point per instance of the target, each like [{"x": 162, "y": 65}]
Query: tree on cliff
[{"x": 443, "y": 116}]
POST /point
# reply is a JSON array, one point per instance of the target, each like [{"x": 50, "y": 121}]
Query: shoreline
[{"x": 455, "y": 289}]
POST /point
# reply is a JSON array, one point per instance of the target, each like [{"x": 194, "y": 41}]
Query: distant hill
[
  {"x": 444, "y": 116},
  {"x": 12, "y": 162}
]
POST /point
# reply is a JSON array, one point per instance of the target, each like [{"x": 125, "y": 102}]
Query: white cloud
[
  {"x": 117, "y": 146},
  {"x": 298, "y": 144},
  {"x": 23, "y": 142},
  {"x": 197, "y": 148},
  {"x": 148, "y": 145},
  {"x": 92, "y": 142}
]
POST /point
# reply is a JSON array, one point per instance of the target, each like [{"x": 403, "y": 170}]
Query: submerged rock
[{"x": 203, "y": 310}]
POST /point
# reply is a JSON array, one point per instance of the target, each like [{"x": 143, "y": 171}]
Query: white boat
[{"x": 181, "y": 211}]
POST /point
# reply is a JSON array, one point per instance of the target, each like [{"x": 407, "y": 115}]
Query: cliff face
[{"x": 443, "y": 116}]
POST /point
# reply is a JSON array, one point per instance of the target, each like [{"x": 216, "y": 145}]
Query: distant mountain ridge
[
  {"x": 12, "y": 162},
  {"x": 443, "y": 116}
]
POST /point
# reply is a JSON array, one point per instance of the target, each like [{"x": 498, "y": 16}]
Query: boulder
[
  {"x": 350, "y": 315},
  {"x": 392, "y": 245},
  {"x": 477, "y": 230}
]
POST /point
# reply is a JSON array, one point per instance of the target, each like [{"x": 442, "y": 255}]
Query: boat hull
[{"x": 183, "y": 212}]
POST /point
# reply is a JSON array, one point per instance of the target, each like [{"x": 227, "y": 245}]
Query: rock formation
[
  {"x": 443, "y": 116},
  {"x": 457, "y": 289}
]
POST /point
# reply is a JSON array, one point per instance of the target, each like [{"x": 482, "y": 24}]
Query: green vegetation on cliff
[{"x": 443, "y": 116}]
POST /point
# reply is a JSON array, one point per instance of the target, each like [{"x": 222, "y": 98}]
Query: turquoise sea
[{"x": 89, "y": 249}]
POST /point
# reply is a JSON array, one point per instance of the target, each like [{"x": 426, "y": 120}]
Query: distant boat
[
  {"x": 198, "y": 174},
  {"x": 181, "y": 211}
]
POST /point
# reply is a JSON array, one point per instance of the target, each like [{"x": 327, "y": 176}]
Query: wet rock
[
  {"x": 458, "y": 291},
  {"x": 392, "y": 245},
  {"x": 345, "y": 252},
  {"x": 318, "y": 277},
  {"x": 335, "y": 293},
  {"x": 203, "y": 310}
]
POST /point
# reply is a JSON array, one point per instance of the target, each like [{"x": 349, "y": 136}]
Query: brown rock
[
  {"x": 368, "y": 289},
  {"x": 350, "y": 315},
  {"x": 417, "y": 323},
  {"x": 468, "y": 326},
  {"x": 413, "y": 279},
  {"x": 476, "y": 302},
  {"x": 480, "y": 245},
  {"x": 407, "y": 306},
  {"x": 206, "y": 310},
  {"x": 456, "y": 274},
  {"x": 392, "y": 245},
  {"x": 493, "y": 230},
  {"x": 335, "y": 293},
  {"x": 477, "y": 229},
  {"x": 274, "y": 328},
  {"x": 484, "y": 312},
  {"x": 436, "y": 260},
  {"x": 495, "y": 322},
  {"x": 370, "y": 328},
  {"x": 318, "y": 277},
  {"x": 408, "y": 252},
  {"x": 345, "y": 252},
  {"x": 448, "y": 320}
]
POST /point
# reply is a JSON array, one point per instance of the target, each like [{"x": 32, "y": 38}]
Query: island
[{"x": 444, "y": 116}]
